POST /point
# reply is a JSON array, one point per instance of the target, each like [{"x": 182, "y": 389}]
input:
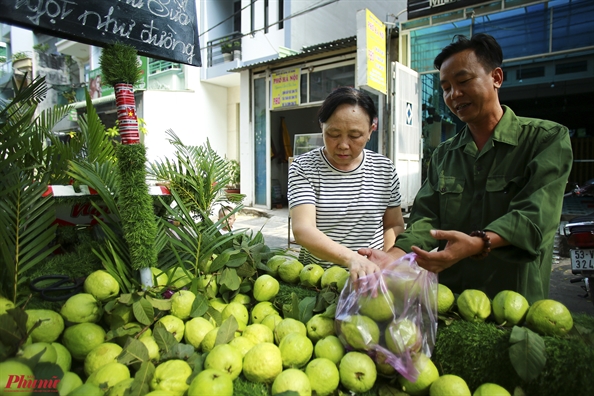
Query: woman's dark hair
[
  {"x": 485, "y": 47},
  {"x": 346, "y": 95}
]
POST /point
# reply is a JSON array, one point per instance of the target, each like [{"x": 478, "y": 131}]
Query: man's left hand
[{"x": 458, "y": 247}]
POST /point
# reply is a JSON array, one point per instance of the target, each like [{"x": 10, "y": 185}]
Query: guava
[
  {"x": 195, "y": 331},
  {"x": 271, "y": 321},
  {"x": 69, "y": 382},
  {"x": 378, "y": 306},
  {"x": 217, "y": 303},
  {"x": 121, "y": 387},
  {"x": 296, "y": 350},
  {"x": 49, "y": 354},
  {"x": 242, "y": 344},
  {"x": 181, "y": 304},
  {"x": 119, "y": 316},
  {"x": 275, "y": 261},
  {"x": 160, "y": 277},
  {"x": 445, "y": 299},
  {"x": 64, "y": 358},
  {"x": 382, "y": 366},
  {"x": 174, "y": 325},
  {"x": 318, "y": 327},
  {"x": 403, "y": 335},
  {"x": 239, "y": 311},
  {"x": 242, "y": 299},
  {"x": 311, "y": 275},
  {"x": 10, "y": 371},
  {"x": 80, "y": 339},
  {"x": 211, "y": 382},
  {"x": 50, "y": 328},
  {"x": 262, "y": 310},
  {"x": 257, "y": 332},
  {"x": 291, "y": 380},
  {"x": 357, "y": 372},
  {"x": 360, "y": 332},
  {"x": 101, "y": 285},
  {"x": 178, "y": 277},
  {"x": 509, "y": 307},
  {"x": 263, "y": 363},
  {"x": 332, "y": 275},
  {"x": 404, "y": 287},
  {"x": 208, "y": 342},
  {"x": 323, "y": 376},
  {"x": 287, "y": 326},
  {"x": 5, "y": 305},
  {"x": 82, "y": 308},
  {"x": 330, "y": 348},
  {"x": 225, "y": 358},
  {"x": 427, "y": 375},
  {"x": 474, "y": 305},
  {"x": 171, "y": 376},
  {"x": 265, "y": 288},
  {"x": 208, "y": 284},
  {"x": 289, "y": 271},
  {"x": 152, "y": 347},
  {"x": 101, "y": 355},
  {"x": 449, "y": 384},
  {"x": 490, "y": 389},
  {"x": 549, "y": 317},
  {"x": 109, "y": 375}
]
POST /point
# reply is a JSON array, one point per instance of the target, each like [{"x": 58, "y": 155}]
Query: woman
[{"x": 343, "y": 197}]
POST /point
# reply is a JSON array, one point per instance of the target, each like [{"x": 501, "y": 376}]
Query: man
[
  {"x": 492, "y": 199},
  {"x": 229, "y": 221}
]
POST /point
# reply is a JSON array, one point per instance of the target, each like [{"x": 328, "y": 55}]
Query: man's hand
[{"x": 458, "y": 247}]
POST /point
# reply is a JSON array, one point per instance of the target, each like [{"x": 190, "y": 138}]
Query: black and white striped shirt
[{"x": 350, "y": 205}]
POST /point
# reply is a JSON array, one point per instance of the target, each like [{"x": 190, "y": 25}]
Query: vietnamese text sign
[
  {"x": 285, "y": 88},
  {"x": 162, "y": 29},
  {"x": 371, "y": 52}
]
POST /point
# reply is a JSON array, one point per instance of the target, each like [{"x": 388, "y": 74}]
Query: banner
[
  {"x": 371, "y": 52},
  {"x": 286, "y": 88}
]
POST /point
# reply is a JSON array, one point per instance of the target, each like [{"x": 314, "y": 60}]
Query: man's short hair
[{"x": 485, "y": 47}]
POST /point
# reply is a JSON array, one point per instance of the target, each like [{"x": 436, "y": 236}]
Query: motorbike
[{"x": 579, "y": 233}]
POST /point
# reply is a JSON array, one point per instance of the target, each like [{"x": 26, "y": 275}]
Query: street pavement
[{"x": 274, "y": 225}]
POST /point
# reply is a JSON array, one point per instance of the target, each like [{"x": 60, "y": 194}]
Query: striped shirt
[{"x": 350, "y": 205}]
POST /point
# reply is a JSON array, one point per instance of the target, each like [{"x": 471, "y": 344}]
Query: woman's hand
[{"x": 360, "y": 266}]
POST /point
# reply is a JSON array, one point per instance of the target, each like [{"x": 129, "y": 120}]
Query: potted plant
[
  {"x": 22, "y": 61},
  {"x": 234, "y": 177},
  {"x": 227, "y": 50},
  {"x": 237, "y": 49}
]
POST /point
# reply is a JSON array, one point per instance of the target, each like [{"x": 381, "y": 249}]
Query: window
[
  {"x": 322, "y": 82},
  {"x": 281, "y": 13},
  {"x": 266, "y": 21},
  {"x": 237, "y": 16}
]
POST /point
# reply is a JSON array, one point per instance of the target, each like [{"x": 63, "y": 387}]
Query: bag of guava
[{"x": 391, "y": 316}]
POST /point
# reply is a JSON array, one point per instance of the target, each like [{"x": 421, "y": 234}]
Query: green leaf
[
  {"x": 292, "y": 310},
  {"x": 227, "y": 331},
  {"x": 143, "y": 311},
  {"x": 178, "y": 351},
  {"x": 212, "y": 313},
  {"x": 46, "y": 370},
  {"x": 125, "y": 299},
  {"x": 306, "y": 307},
  {"x": 142, "y": 379},
  {"x": 527, "y": 353},
  {"x": 165, "y": 340},
  {"x": 237, "y": 260},
  {"x": 9, "y": 331},
  {"x": 134, "y": 352},
  {"x": 199, "y": 306},
  {"x": 219, "y": 262},
  {"x": 230, "y": 279},
  {"x": 159, "y": 303},
  {"x": 129, "y": 329}
]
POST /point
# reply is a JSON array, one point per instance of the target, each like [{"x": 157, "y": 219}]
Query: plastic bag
[{"x": 391, "y": 316}]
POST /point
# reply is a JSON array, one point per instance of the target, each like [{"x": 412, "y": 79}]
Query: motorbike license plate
[{"x": 582, "y": 259}]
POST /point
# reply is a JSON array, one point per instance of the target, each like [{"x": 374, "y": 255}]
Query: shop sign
[
  {"x": 371, "y": 52},
  {"x": 286, "y": 88}
]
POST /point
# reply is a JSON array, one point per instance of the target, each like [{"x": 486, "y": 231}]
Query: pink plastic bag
[{"x": 392, "y": 316}]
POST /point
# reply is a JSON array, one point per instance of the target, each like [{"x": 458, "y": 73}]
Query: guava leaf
[
  {"x": 179, "y": 351},
  {"x": 527, "y": 353},
  {"x": 143, "y": 311},
  {"x": 125, "y": 299},
  {"x": 46, "y": 370},
  {"x": 165, "y": 340},
  {"x": 230, "y": 279},
  {"x": 219, "y": 262},
  {"x": 227, "y": 330},
  {"x": 159, "y": 303},
  {"x": 306, "y": 307},
  {"x": 330, "y": 311},
  {"x": 142, "y": 379},
  {"x": 292, "y": 310},
  {"x": 127, "y": 329},
  {"x": 20, "y": 318},
  {"x": 199, "y": 306},
  {"x": 246, "y": 285},
  {"x": 214, "y": 314},
  {"x": 287, "y": 393},
  {"x": 110, "y": 305},
  {"x": 246, "y": 270},
  {"x": 196, "y": 361},
  {"x": 237, "y": 260},
  {"x": 9, "y": 331},
  {"x": 134, "y": 352}
]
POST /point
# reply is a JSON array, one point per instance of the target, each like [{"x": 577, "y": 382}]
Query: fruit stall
[{"x": 110, "y": 304}]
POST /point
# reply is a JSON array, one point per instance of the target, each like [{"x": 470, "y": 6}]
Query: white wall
[
  {"x": 193, "y": 115},
  {"x": 21, "y": 40}
]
